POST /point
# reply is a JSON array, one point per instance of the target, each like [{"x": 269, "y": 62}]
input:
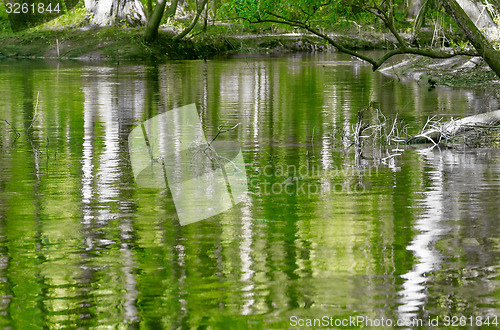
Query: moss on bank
[{"x": 103, "y": 44}]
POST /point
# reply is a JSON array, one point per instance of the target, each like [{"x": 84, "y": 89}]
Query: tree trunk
[
  {"x": 481, "y": 18},
  {"x": 149, "y": 8},
  {"x": 205, "y": 19},
  {"x": 414, "y": 8},
  {"x": 478, "y": 40},
  {"x": 193, "y": 22},
  {"x": 154, "y": 21},
  {"x": 90, "y": 5},
  {"x": 109, "y": 12}
]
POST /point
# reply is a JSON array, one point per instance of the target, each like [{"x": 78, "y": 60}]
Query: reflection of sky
[{"x": 430, "y": 229}]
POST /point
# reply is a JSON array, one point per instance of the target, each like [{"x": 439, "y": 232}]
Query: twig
[
  {"x": 394, "y": 70},
  {"x": 220, "y": 131},
  {"x": 13, "y": 128}
]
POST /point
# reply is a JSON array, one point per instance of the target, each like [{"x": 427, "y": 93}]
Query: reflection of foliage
[{"x": 14, "y": 130}]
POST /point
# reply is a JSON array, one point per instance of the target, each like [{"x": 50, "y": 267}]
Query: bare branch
[
  {"x": 378, "y": 12},
  {"x": 220, "y": 131},
  {"x": 13, "y": 128}
]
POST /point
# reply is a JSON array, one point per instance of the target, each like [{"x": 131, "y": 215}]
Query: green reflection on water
[{"x": 82, "y": 245}]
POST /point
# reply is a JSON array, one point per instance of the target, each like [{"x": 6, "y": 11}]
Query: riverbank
[
  {"x": 91, "y": 43},
  {"x": 71, "y": 38},
  {"x": 126, "y": 44}
]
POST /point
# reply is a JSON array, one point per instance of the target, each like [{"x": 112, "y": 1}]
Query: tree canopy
[{"x": 393, "y": 14}]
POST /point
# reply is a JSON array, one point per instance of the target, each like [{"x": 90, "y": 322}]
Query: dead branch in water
[
  {"x": 383, "y": 139},
  {"x": 436, "y": 132},
  {"x": 377, "y": 138}
]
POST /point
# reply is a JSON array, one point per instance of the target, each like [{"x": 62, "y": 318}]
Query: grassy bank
[
  {"x": 71, "y": 37},
  {"x": 122, "y": 43}
]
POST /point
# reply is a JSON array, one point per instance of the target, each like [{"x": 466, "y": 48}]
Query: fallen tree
[
  {"x": 436, "y": 132},
  {"x": 385, "y": 139},
  {"x": 472, "y": 131}
]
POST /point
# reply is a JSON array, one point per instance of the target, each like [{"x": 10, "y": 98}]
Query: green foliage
[
  {"x": 462, "y": 44},
  {"x": 4, "y": 19},
  {"x": 74, "y": 17},
  {"x": 299, "y": 10}
]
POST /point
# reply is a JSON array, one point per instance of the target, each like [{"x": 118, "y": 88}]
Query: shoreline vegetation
[
  {"x": 81, "y": 41},
  {"x": 71, "y": 37}
]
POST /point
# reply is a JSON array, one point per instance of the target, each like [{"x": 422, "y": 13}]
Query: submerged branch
[{"x": 385, "y": 138}]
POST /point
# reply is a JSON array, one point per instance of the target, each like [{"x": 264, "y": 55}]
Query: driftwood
[
  {"x": 384, "y": 139},
  {"x": 435, "y": 132}
]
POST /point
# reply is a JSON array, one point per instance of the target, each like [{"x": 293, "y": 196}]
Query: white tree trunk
[
  {"x": 478, "y": 13},
  {"x": 90, "y": 5},
  {"x": 108, "y": 12},
  {"x": 414, "y": 8}
]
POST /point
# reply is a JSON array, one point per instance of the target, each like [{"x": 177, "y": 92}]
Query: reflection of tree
[
  {"x": 430, "y": 228},
  {"x": 106, "y": 186},
  {"x": 453, "y": 257},
  {"x": 95, "y": 248}
]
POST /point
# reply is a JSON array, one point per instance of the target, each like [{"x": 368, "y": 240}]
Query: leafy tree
[{"x": 304, "y": 13}]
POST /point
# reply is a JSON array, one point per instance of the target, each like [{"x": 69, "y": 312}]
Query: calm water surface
[{"x": 81, "y": 244}]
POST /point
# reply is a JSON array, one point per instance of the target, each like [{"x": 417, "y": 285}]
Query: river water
[{"x": 320, "y": 234}]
